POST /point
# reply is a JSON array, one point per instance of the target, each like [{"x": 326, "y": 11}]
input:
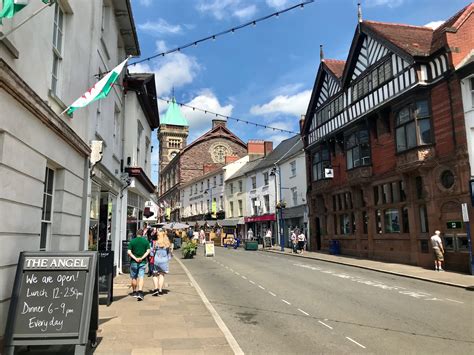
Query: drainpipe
[{"x": 451, "y": 111}]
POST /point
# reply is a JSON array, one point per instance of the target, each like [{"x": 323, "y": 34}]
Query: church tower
[{"x": 172, "y": 134}]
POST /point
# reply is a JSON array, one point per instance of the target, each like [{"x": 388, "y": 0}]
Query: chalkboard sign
[
  {"x": 52, "y": 299},
  {"x": 106, "y": 274},
  {"x": 267, "y": 242}
]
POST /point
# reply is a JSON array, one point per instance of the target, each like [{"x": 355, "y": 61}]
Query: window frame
[
  {"x": 320, "y": 165},
  {"x": 59, "y": 18},
  {"x": 266, "y": 178},
  {"x": 45, "y": 239},
  {"x": 357, "y": 147},
  {"x": 293, "y": 168}
]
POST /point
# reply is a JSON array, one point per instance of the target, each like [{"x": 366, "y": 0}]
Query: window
[
  {"x": 221, "y": 180},
  {"x": 241, "y": 213},
  {"x": 358, "y": 149},
  {"x": 321, "y": 160},
  {"x": 147, "y": 149},
  {"x": 419, "y": 187},
  {"x": 413, "y": 126},
  {"x": 392, "y": 221},
  {"x": 214, "y": 179},
  {"x": 423, "y": 219},
  {"x": 254, "y": 182},
  {"x": 372, "y": 80},
  {"x": 365, "y": 222},
  {"x": 265, "y": 179},
  {"x": 202, "y": 186},
  {"x": 139, "y": 141},
  {"x": 47, "y": 211},
  {"x": 378, "y": 223},
  {"x": 293, "y": 168},
  {"x": 294, "y": 195},
  {"x": 116, "y": 133},
  {"x": 231, "y": 209},
  {"x": 196, "y": 188},
  {"x": 254, "y": 206},
  {"x": 231, "y": 186},
  {"x": 406, "y": 225},
  {"x": 221, "y": 203},
  {"x": 471, "y": 80},
  {"x": 240, "y": 186},
  {"x": 208, "y": 184},
  {"x": 447, "y": 179},
  {"x": 191, "y": 191},
  {"x": 266, "y": 200},
  {"x": 202, "y": 207},
  {"x": 58, "y": 32},
  {"x": 344, "y": 224}
]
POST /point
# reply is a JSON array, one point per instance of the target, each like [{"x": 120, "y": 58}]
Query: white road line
[
  {"x": 237, "y": 273},
  {"x": 448, "y": 299},
  {"x": 328, "y": 326},
  {"x": 228, "y": 335},
  {"x": 244, "y": 277},
  {"x": 270, "y": 292},
  {"x": 253, "y": 283},
  {"x": 226, "y": 267},
  {"x": 362, "y": 346},
  {"x": 231, "y": 270},
  {"x": 303, "y": 312},
  {"x": 286, "y": 301},
  {"x": 263, "y": 288}
]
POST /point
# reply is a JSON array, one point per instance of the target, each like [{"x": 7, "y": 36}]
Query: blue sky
[{"x": 262, "y": 73}]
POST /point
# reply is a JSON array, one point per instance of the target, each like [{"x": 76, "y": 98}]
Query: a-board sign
[
  {"x": 52, "y": 299},
  {"x": 209, "y": 249},
  {"x": 267, "y": 242},
  {"x": 106, "y": 274}
]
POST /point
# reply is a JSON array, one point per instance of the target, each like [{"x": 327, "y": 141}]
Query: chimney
[
  {"x": 258, "y": 149},
  {"x": 230, "y": 159},
  {"x": 218, "y": 122}
]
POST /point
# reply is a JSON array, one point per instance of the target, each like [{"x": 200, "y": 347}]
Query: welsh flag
[
  {"x": 100, "y": 90},
  {"x": 11, "y": 7}
]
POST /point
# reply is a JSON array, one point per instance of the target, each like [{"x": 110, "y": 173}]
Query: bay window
[
  {"x": 321, "y": 161},
  {"x": 358, "y": 149},
  {"x": 413, "y": 126}
]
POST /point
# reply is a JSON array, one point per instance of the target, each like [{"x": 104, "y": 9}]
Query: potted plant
[{"x": 189, "y": 250}]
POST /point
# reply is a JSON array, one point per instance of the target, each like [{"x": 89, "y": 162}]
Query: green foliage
[{"x": 189, "y": 249}]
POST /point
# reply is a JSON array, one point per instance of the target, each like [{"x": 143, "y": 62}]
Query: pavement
[
  {"x": 176, "y": 323},
  {"x": 415, "y": 272}
]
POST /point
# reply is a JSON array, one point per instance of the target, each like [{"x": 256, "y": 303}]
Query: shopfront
[
  {"x": 293, "y": 218},
  {"x": 260, "y": 224}
]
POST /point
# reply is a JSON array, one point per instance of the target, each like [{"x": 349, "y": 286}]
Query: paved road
[{"x": 282, "y": 304}]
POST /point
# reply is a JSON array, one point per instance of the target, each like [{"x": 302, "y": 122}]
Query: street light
[{"x": 278, "y": 211}]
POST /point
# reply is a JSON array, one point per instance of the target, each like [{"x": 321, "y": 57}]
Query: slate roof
[
  {"x": 285, "y": 149},
  {"x": 245, "y": 169}
]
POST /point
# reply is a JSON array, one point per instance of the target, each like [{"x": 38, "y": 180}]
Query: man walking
[
  {"x": 438, "y": 250},
  {"x": 138, "y": 250}
]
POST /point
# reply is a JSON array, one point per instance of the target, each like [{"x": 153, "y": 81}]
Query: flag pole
[{"x": 2, "y": 37}]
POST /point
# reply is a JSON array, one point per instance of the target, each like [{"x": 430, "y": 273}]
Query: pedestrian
[
  {"x": 138, "y": 250},
  {"x": 301, "y": 242},
  {"x": 162, "y": 253},
  {"x": 438, "y": 250},
  {"x": 250, "y": 234},
  {"x": 294, "y": 241},
  {"x": 268, "y": 237},
  {"x": 151, "y": 236},
  {"x": 202, "y": 236}
]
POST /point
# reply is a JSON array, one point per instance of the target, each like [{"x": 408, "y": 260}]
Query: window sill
[
  {"x": 57, "y": 100},
  {"x": 10, "y": 46}
]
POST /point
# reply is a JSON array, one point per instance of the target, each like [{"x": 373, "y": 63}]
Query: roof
[
  {"x": 250, "y": 166},
  {"x": 335, "y": 66},
  {"x": 144, "y": 85},
  {"x": 285, "y": 149},
  {"x": 126, "y": 25},
  {"x": 173, "y": 115}
]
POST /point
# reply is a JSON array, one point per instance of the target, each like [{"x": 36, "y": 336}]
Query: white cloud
[
  {"x": 434, "y": 24},
  {"x": 390, "y": 3},
  {"x": 160, "y": 27},
  {"x": 277, "y": 4},
  {"x": 173, "y": 70},
  {"x": 146, "y": 3},
  {"x": 246, "y": 12},
  {"x": 284, "y": 104}
]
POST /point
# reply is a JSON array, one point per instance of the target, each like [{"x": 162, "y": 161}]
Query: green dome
[{"x": 173, "y": 116}]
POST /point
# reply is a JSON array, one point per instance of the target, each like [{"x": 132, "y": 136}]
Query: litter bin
[
  {"x": 334, "y": 247},
  {"x": 251, "y": 245}
]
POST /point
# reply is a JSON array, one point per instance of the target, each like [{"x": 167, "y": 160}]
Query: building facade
[{"x": 386, "y": 147}]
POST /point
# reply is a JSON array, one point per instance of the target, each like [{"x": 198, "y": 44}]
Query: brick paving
[{"x": 175, "y": 323}]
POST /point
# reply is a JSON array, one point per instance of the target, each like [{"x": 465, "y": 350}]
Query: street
[{"x": 283, "y": 304}]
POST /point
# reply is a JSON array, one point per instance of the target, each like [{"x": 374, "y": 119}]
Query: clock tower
[{"x": 172, "y": 134}]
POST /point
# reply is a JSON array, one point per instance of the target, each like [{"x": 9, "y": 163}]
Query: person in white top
[
  {"x": 294, "y": 241},
  {"x": 301, "y": 242},
  {"x": 438, "y": 250},
  {"x": 269, "y": 235}
]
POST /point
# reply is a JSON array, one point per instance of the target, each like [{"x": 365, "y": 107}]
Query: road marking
[
  {"x": 245, "y": 278},
  {"x": 328, "y": 326},
  {"x": 362, "y": 346},
  {"x": 231, "y": 270},
  {"x": 286, "y": 301},
  {"x": 449, "y": 299},
  {"x": 303, "y": 312},
  {"x": 237, "y": 273},
  {"x": 263, "y": 288},
  {"x": 228, "y": 335},
  {"x": 253, "y": 283},
  {"x": 270, "y": 292},
  {"x": 226, "y": 267}
]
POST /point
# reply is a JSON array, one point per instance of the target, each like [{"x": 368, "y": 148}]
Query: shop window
[
  {"x": 365, "y": 222},
  {"x": 392, "y": 221},
  {"x": 321, "y": 161},
  {"x": 462, "y": 243},
  {"x": 344, "y": 224},
  {"x": 423, "y": 219},
  {"x": 448, "y": 242},
  {"x": 358, "y": 149},
  {"x": 386, "y": 193},
  {"x": 424, "y": 246},
  {"x": 401, "y": 187},
  {"x": 378, "y": 221},
  {"x": 413, "y": 126},
  {"x": 353, "y": 223},
  {"x": 447, "y": 179}
]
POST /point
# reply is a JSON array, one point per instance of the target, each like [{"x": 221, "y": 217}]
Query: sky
[{"x": 263, "y": 73}]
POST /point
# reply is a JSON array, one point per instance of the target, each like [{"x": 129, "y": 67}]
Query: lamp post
[{"x": 278, "y": 211}]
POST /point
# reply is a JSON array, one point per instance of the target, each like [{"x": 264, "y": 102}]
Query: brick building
[
  {"x": 182, "y": 163},
  {"x": 385, "y": 144}
]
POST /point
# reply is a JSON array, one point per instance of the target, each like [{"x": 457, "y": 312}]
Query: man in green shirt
[{"x": 138, "y": 250}]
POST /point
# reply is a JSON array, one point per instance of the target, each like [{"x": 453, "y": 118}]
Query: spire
[
  {"x": 359, "y": 12},
  {"x": 321, "y": 53},
  {"x": 173, "y": 115}
]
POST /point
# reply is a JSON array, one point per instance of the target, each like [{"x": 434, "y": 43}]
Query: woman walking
[{"x": 162, "y": 254}]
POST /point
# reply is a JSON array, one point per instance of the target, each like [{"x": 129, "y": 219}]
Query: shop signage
[
  {"x": 106, "y": 274},
  {"x": 264, "y": 218},
  {"x": 209, "y": 250},
  {"x": 54, "y": 300},
  {"x": 454, "y": 225}
]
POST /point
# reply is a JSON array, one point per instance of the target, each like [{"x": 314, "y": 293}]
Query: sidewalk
[
  {"x": 414, "y": 272},
  {"x": 175, "y": 323}
]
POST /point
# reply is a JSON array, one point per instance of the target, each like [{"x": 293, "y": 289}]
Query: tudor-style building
[
  {"x": 389, "y": 125},
  {"x": 188, "y": 162}
]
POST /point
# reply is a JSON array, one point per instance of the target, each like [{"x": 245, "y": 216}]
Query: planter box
[{"x": 251, "y": 245}]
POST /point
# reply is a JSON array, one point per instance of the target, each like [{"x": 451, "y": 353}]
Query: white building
[{"x": 46, "y": 190}]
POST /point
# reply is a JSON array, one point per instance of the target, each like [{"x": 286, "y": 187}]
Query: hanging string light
[{"x": 228, "y": 117}]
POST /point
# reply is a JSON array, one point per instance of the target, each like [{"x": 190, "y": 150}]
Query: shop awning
[
  {"x": 264, "y": 218},
  {"x": 231, "y": 222}
]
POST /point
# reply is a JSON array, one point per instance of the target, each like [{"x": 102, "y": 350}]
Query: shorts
[
  {"x": 438, "y": 254},
  {"x": 137, "y": 270},
  {"x": 300, "y": 245}
]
